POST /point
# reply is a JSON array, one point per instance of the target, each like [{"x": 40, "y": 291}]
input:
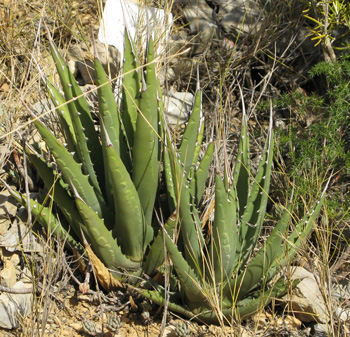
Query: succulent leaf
[
  {"x": 145, "y": 152},
  {"x": 155, "y": 256},
  {"x": 187, "y": 277},
  {"x": 298, "y": 236},
  {"x": 131, "y": 88},
  {"x": 254, "y": 213},
  {"x": 61, "y": 195},
  {"x": 111, "y": 202},
  {"x": 257, "y": 269},
  {"x": 103, "y": 243},
  {"x": 46, "y": 218},
  {"x": 70, "y": 169},
  {"x": 241, "y": 170},
  {"x": 86, "y": 137},
  {"x": 191, "y": 231},
  {"x": 64, "y": 116},
  {"x": 225, "y": 232},
  {"x": 191, "y": 134},
  {"x": 200, "y": 175},
  {"x": 108, "y": 110},
  {"x": 130, "y": 229}
]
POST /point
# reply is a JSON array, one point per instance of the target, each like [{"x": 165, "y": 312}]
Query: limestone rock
[
  {"x": 18, "y": 237},
  {"x": 178, "y": 107},
  {"x": 306, "y": 301},
  {"x": 8, "y": 274},
  {"x": 322, "y": 330},
  {"x": 202, "y": 24},
  {"x": 244, "y": 16},
  {"x": 14, "y": 307}
]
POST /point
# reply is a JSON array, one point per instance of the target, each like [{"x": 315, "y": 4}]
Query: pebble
[
  {"x": 321, "y": 330},
  {"x": 343, "y": 314}
]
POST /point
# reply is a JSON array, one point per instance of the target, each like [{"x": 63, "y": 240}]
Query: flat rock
[
  {"x": 18, "y": 237},
  {"x": 306, "y": 301},
  {"x": 244, "y": 16},
  {"x": 14, "y": 307}
]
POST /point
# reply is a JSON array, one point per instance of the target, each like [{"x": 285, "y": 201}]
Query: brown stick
[
  {"x": 21, "y": 170},
  {"x": 16, "y": 291}
]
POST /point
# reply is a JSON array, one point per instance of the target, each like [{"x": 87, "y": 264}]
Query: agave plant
[
  {"x": 226, "y": 279},
  {"x": 107, "y": 176},
  {"x": 106, "y": 183}
]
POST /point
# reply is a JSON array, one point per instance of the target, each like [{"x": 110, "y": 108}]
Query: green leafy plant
[
  {"x": 328, "y": 19},
  {"x": 323, "y": 145},
  {"x": 107, "y": 177},
  {"x": 224, "y": 279},
  {"x": 107, "y": 185}
]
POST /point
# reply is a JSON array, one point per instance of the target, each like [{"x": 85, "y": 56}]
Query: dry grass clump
[{"x": 23, "y": 49}]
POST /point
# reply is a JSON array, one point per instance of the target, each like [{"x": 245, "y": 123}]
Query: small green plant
[
  {"x": 113, "y": 323},
  {"x": 89, "y": 328},
  {"x": 182, "y": 330},
  {"x": 107, "y": 186}
]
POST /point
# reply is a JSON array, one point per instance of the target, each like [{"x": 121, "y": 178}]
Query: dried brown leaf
[{"x": 104, "y": 276}]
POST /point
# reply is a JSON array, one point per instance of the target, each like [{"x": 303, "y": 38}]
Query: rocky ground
[{"x": 208, "y": 33}]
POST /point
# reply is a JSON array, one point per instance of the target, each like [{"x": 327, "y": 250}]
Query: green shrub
[{"x": 319, "y": 143}]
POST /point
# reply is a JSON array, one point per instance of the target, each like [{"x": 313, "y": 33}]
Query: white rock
[
  {"x": 343, "y": 315},
  {"x": 19, "y": 238},
  {"x": 178, "y": 107},
  {"x": 14, "y": 307},
  {"x": 322, "y": 330},
  {"x": 306, "y": 301}
]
